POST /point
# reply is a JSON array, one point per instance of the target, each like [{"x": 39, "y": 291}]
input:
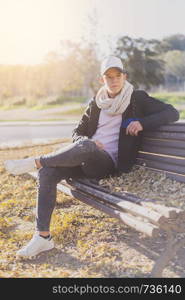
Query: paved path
[{"x": 17, "y": 132}]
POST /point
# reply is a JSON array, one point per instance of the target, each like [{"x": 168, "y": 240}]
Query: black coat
[{"x": 151, "y": 113}]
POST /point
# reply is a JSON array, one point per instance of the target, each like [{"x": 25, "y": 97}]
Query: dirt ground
[{"x": 88, "y": 242}]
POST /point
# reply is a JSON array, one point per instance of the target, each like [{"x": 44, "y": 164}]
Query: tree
[
  {"x": 144, "y": 67},
  {"x": 82, "y": 59},
  {"x": 173, "y": 42},
  {"x": 175, "y": 66}
]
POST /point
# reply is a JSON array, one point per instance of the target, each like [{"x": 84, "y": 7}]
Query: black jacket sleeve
[
  {"x": 156, "y": 113},
  {"x": 81, "y": 131}
]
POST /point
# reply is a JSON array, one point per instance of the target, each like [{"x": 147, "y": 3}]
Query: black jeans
[{"x": 78, "y": 160}]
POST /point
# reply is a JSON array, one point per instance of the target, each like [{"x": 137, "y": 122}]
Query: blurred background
[{"x": 51, "y": 51}]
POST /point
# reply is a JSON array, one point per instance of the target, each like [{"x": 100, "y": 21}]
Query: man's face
[{"x": 114, "y": 81}]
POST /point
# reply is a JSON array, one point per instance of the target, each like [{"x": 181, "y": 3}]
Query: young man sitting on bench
[{"x": 105, "y": 142}]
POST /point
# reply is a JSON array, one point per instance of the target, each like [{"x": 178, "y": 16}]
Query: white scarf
[{"x": 118, "y": 104}]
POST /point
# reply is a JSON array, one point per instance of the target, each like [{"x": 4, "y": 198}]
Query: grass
[
  {"x": 60, "y": 106},
  {"x": 79, "y": 231},
  {"x": 65, "y": 118},
  {"x": 171, "y": 98},
  {"x": 39, "y": 103},
  {"x": 182, "y": 114},
  {"x": 10, "y": 107},
  {"x": 38, "y": 106},
  {"x": 73, "y": 112},
  {"x": 152, "y": 185},
  {"x": 39, "y": 114}
]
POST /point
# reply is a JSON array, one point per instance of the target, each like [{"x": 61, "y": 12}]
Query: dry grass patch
[{"x": 148, "y": 184}]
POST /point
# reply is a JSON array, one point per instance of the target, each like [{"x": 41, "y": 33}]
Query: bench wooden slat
[
  {"x": 146, "y": 228},
  {"x": 169, "y": 212},
  {"x": 162, "y": 166},
  {"x": 169, "y": 160},
  {"x": 180, "y": 136},
  {"x": 163, "y": 143},
  {"x": 173, "y": 127},
  {"x": 128, "y": 206},
  {"x": 163, "y": 150}
]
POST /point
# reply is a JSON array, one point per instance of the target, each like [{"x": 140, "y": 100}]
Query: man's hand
[
  {"x": 134, "y": 127},
  {"x": 99, "y": 145}
]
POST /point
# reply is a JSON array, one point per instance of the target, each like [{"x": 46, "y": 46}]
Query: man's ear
[
  {"x": 125, "y": 76},
  {"x": 101, "y": 80}
]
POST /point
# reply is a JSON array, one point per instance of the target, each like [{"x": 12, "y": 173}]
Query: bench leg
[{"x": 172, "y": 246}]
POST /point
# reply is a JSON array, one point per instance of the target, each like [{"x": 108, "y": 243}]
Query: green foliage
[
  {"x": 150, "y": 63},
  {"x": 182, "y": 115},
  {"x": 39, "y": 103},
  {"x": 173, "y": 42},
  {"x": 175, "y": 64},
  {"x": 73, "y": 111},
  {"x": 141, "y": 60},
  {"x": 171, "y": 98},
  {"x": 67, "y": 99}
]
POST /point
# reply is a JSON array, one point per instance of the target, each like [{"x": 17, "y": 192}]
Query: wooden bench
[{"x": 162, "y": 150}]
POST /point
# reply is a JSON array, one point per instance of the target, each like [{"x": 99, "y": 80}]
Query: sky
[{"x": 30, "y": 29}]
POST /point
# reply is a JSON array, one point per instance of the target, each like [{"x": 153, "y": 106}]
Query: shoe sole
[
  {"x": 10, "y": 171},
  {"x": 32, "y": 256}
]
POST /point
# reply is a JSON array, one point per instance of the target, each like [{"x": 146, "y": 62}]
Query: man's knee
[
  {"x": 48, "y": 175},
  {"x": 87, "y": 146}
]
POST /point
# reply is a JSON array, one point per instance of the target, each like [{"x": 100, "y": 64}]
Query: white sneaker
[
  {"x": 37, "y": 245},
  {"x": 20, "y": 166}
]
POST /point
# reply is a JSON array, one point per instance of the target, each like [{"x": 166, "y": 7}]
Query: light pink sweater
[{"x": 108, "y": 133}]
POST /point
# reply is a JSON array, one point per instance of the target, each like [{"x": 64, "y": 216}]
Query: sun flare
[{"x": 29, "y": 28}]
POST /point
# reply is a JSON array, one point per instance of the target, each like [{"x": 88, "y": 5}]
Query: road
[{"x": 17, "y": 132}]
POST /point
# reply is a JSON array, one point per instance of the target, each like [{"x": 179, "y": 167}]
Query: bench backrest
[{"x": 163, "y": 149}]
